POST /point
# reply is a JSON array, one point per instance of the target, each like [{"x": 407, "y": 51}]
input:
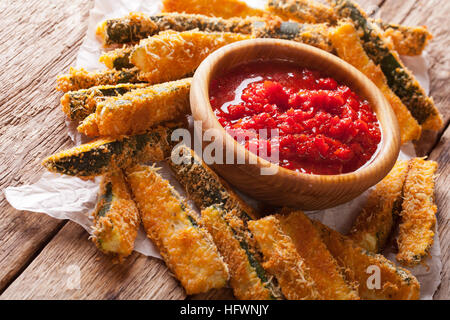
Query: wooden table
[{"x": 41, "y": 257}]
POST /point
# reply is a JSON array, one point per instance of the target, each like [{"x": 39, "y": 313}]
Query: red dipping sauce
[{"x": 323, "y": 126}]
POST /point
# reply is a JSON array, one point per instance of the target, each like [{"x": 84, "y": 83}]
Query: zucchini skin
[
  {"x": 399, "y": 78},
  {"x": 135, "y": 27},
  {"x": 78, "y": 79},
  {"x": 418, "y": 213},
  {"x": 247, "y": 277},
  {"x": 116, "y": 217},
  {"x": 138, "y": 110},
  {"x": 77, "y": 105},
  {"x": 97, "y": 157},
  {"x": 117, "y": 59},
  {"x": 187, "y": 248},
  {"x": 396, "y": 283},
  {"x": 205, "y": 187}
]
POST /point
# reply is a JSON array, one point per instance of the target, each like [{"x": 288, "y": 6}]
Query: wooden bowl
[{"x": 287, "y": 187}]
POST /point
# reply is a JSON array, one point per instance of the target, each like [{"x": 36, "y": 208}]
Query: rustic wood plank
[
  {"x": 441, "y": 154},
  {"x": 433, "y": 14},
  {"x": 40, "y": 39},
  {"x": 53, "y": 274}
]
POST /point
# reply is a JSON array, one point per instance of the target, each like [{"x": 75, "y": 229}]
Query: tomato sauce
[{"x": 322, "y": 126}]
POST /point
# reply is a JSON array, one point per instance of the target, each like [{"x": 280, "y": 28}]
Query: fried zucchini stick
[
  {"x": 204, "y": 186},
  {"x": 116, "y": 217},
  {"x": 348, "y": 46},
  {"x": 304, "y": 11},
  {"x": 215, "y": 8},
  {"x": 117, "y": 59},
  {"x": 401, "y": 81},
  {"x": 207, "y": 189},
  {"x": 247, "y": 277},
  {"x": 171, "y": 224},
  {"x": 375, "y": 223},
  {"x": 138, "y": 110},
  {"x": 323, "y": 269},
  {"x": 172, "y": 55},
  {"x": 99, "y": 156},
  {"x": 78, "y": 79},
  {"x": 418, "y": 215},
  {"x": 408, "y": 41},
  {"x": 77, "y": 105},
  {"x": 135, "y": 27},
  {"x": 396, "y": 283},
  {"x": 283, "y": 261}
]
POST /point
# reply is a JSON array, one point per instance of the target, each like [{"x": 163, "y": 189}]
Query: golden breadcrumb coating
[
  {"x": 216, "y": 8},
  {"x": 77, "y": 105},
  {"x": 323, "y": 269},
  {"x": 374, "y": 224},
  {"x": 205, "y": 187},
  {"x": 348, "y": 46},
  {"x": 408, "y": 41},
  {"x": 171, "y": 224},
  {"x": 396, "y": 283},
  {"x": 136, "y": 111},
  {"x": 116, "y": 217},
  {"x": 99, "y": 156},
  {"x": 283, "y": 261},
  {"x": 304, "y": 11},
  {"x": 418, "y": 215},
  {"x": 172, "y": 55},
  {"x": 247, "y": 277},
  {"x": 78, "y": 79}
]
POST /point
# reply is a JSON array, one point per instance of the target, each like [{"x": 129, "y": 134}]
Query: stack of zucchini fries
[{"x": 131, "y": 108}]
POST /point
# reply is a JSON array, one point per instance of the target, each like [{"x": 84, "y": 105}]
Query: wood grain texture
[
  {"x": 53, "y": 274},
  {"x": 441, "y": 154},
  {"x": 35, "y": 47},
  {"x": 42, "y": 43},
  {"x": 433, "y": 14}
]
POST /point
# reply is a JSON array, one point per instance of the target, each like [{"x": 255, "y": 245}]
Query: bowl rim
[{"x": 390, "y": 137}]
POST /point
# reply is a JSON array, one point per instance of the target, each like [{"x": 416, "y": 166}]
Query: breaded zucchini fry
[
  {"x": 247, "y": 277},
  {"x": 97, "y": 157},
  {"x": 408, "y": 41},
  {"x": 117, "y": 59},
  {"x": 77, "y": 105},
  {"x": 283, "y": 261},
  {"x": 401, "y": 81},
  {"x": 348, "y": 46},
  {"x": 323, "y": 269},
  {"x": 304, "y": 11},
  {"x": 78, "y": 79},
  {"x": 139, "y": 26},
  {"x": 116, "y": 217},
  {"x": 138, "y": 110},
  {"x": 204, "y": 186},
  {"x": 171, "y": 224},
  {"x": 215, "y": 8},
  {"x": 395, "y": 283},
  {"x": 374, "y": 224},
  {"x": 418, "y": 215},
  {"x": 172, "y": 55}
]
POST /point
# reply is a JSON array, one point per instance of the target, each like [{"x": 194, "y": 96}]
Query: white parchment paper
[{"x": 65, "y": 197}]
